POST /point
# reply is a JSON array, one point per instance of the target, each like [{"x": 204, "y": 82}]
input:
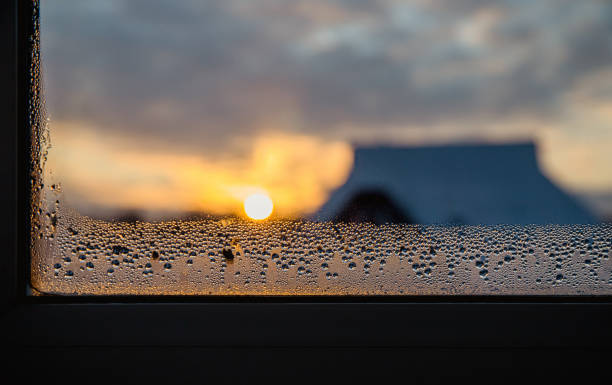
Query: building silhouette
[{"x": 462, "y": 184}]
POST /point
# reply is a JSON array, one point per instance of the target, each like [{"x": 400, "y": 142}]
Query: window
[
  {"x": 480, "y": 339},
  {"x": 320, "y": 148}
]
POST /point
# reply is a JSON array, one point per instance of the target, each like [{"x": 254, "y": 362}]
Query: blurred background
[{"x": 432, "y": 111}]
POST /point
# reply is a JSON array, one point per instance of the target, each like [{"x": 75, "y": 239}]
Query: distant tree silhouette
[{"x": 372, "y": 206}]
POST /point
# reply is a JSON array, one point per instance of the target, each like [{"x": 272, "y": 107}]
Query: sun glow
[
  {"x": 258, "y": 206},
  {"x": 107, "y": 173}
]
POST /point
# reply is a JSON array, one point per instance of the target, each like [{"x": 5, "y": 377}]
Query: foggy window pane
[{"x": 277, "y": 147}]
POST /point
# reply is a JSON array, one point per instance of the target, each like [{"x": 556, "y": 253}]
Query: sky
[{"x": 190, "y": 105}]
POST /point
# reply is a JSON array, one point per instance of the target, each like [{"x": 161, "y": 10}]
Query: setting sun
[{"x": 258, "y": 206}]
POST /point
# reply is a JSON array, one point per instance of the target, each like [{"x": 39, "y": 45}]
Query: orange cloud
[{"x": 96, "y": 170}]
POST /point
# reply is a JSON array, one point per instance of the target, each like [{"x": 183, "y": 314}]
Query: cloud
[
  {"x": 218, "y": 68},
  {"x": 100, "y": 173}
]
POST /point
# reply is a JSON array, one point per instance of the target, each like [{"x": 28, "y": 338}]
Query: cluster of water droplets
[
  {"x": 42, "y": 214},
  {"x": 282, "y": 257}
]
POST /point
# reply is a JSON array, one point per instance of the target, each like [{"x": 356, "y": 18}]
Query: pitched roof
[{"x": 473, "y": 184}]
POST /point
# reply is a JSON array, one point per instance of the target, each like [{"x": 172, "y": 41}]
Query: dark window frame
[{"x": 414, "y": 322}]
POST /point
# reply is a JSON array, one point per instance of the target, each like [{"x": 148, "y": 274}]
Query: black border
[
  {"x": 440, "y": 322},
  {"x": 26, "y": 13},
  {"x": 320, "y": 299}
]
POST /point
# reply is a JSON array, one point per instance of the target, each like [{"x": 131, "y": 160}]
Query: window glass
[{"x": 323, "y": 147}]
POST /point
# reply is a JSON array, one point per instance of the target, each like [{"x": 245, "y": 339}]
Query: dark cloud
[{"x": 195, "y": 73}]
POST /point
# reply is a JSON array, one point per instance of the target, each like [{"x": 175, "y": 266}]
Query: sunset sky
[{"x": 193, "y": 105}]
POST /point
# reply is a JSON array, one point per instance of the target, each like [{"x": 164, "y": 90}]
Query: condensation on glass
[
  {"x": 72, "y": 254},
  {"x": 79, "y": 255}
]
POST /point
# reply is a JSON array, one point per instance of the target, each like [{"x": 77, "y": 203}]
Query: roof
[{"x": 471, "y": 184}]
